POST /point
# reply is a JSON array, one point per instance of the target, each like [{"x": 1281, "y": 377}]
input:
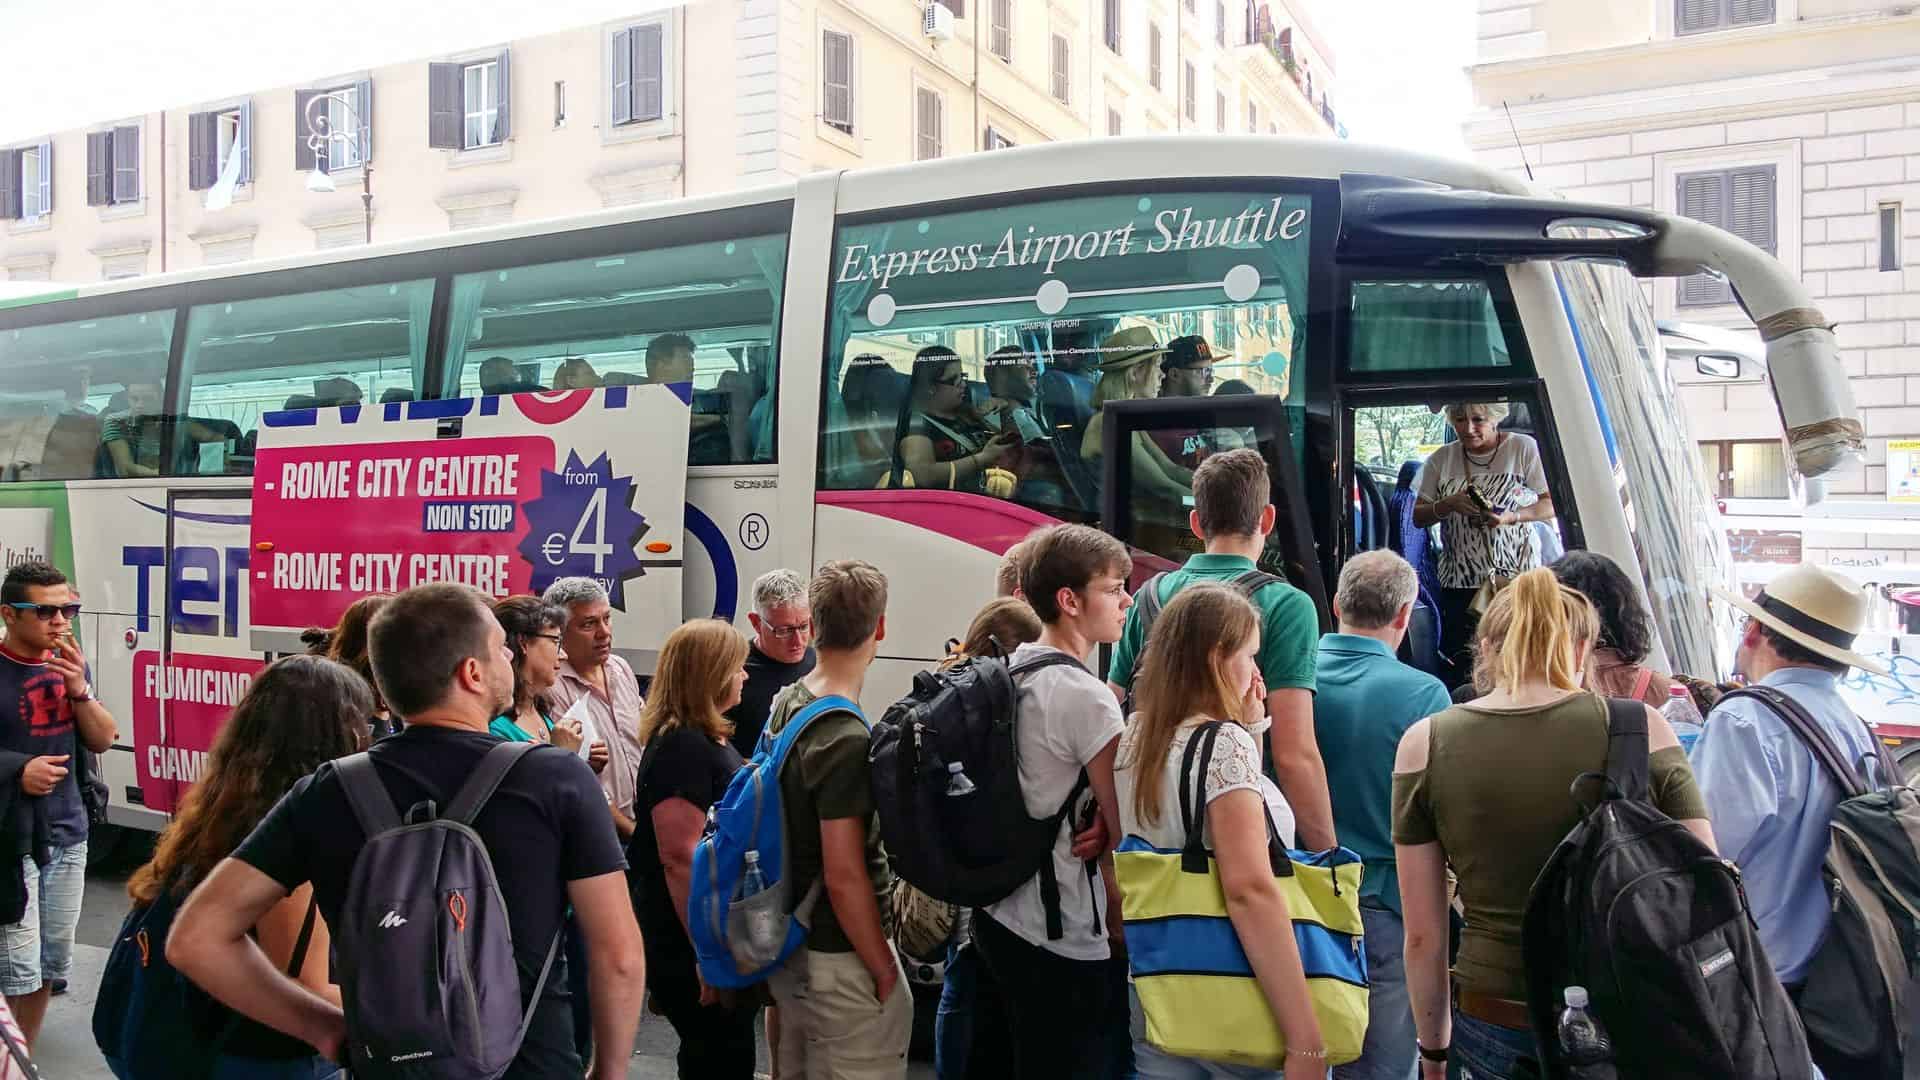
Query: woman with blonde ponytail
[{"x": 1482, "y": 789}]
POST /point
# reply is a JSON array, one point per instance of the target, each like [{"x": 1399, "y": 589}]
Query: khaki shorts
[{"x": 832, "y": 1028}]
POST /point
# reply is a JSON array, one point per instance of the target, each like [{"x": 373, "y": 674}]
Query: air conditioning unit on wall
[{"x": 937, "y": 21}]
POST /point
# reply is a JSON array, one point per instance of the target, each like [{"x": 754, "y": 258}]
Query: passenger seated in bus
[
  {"x": 670, "y": 360},
  {"x": 574, "y": 373},
  {"x": 864, "y": 447},
  {"x": 333, "y": 392},
  {"x": 1010, "y": 408},
  {"x": 942, "y": 442},
  {"x": 1186, "y": 371},
  {"x": 621, "y": 378},
  {"x": 79, "y": 381},
  {"x": 1128, "y": 371},
  {"x": 1484, "y": 491},
  {"x": 499, "y": 375},
  {"x": 135, "y": 440},
  {"x": 396, "y": 395}
]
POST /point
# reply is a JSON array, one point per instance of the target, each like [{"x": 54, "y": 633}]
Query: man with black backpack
[
  {"x": 447, "y": 958},
  {"x": 1784, "y": 765},
  {"x": 1232, "y": 515}
]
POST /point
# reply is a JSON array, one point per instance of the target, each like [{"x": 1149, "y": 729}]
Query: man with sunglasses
[
  {"x": 780, "y": 654},
  {"x": 46, "y": 700},
  {"x": 1185, "y": 371}
]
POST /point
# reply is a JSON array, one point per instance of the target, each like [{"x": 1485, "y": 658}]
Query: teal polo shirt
[
  {"x": 1289, "y": 625},
  {"x": 1367, "y": 700}
]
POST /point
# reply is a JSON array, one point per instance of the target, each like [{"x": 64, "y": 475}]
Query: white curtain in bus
[
  {"x": 1410, "y": 325},
  {"x": 469, "y": 291},
  {"x": 419, "y": 319}
]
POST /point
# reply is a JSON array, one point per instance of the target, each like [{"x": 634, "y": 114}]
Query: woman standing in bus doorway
[
  {"x": 1482, "y": 789},
  {"x": 942, "y": 441},
  {"x": 1484, "y": 491},
  {"x": 297, "y": 715}
]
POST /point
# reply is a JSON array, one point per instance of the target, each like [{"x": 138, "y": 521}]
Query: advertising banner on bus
[{"x": 506, "y": 494}]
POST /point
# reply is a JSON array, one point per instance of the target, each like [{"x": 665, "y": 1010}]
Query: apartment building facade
[
  {"x": 700, "y": 98},
  {"x": 1793, "y": 123}
]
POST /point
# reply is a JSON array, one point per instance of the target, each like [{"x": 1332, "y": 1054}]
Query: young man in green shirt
[{"x": 1232, "y": 516}]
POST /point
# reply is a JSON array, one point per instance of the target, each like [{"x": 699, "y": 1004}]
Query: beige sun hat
[
  {"x": 1815, "y": 608},
  {"x": 1128, "y": 347}
]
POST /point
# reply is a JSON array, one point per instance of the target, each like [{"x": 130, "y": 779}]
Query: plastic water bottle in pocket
[{"x": 757, "y": 917}]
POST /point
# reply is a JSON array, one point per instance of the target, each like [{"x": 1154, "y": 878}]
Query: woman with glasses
[
  {"x": 684, "y": 769},
  {"x": 942, "y": 441},
  {"x": 533, "y": 634}
]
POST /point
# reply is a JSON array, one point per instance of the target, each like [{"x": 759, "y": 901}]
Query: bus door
[
  {"x": 184, "y": 689},
  {"x": 1147, "y": 507}
]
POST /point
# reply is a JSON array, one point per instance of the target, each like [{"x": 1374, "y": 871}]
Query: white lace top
[{"x": 1235, "y": 766}]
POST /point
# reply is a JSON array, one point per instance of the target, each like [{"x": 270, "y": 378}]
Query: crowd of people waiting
[{"x": 1313, "y": 741}]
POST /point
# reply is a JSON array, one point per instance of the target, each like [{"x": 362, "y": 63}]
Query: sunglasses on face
[
  {"x": 46, "y": 611},
  {"x": 956, "y": 381}
]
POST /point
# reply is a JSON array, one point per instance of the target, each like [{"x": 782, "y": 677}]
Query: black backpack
[
  {"x": 1867, "y": 965},
  {"x": 974, "y": 849},
  {"x": 1636, "y": 909},
  {"x": 1148, "y": 603}
]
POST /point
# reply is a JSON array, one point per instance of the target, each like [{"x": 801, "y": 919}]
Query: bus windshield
[
  {"x": 1669, "y": 505},
  {"x": 1004, "y": 330}
]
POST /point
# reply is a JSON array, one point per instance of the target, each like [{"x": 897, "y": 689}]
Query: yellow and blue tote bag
[{"x": 1196, "y": 987}]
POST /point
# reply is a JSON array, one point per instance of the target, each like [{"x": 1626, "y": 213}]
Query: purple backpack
[{"x": 424, "y": 951}]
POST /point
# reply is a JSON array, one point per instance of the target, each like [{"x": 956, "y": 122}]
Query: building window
[
  {"x": 469, "y": 105},
  {"x": 1740, "y": 201},
  {"x": 1220, "y": 23},
  {"x": 1000, "y": 32},
  {"x": 929, "y": 123},
  {"x": 1889, "y": 237},
  {"x": 996, "y": 140},
  {"x": 26, "y": 182},
  {"x": 1220, "y": 112},
  {"x": 113, "y": 166},
  {"x": 1113, "y": 121},
  {"x": 484, "y": 93},
  {"x": 1748, "y": 469},
  {"x": 348, "y": 116},
  {"x": 836, "y": 65},
  {"x": 218, "y": 141},
  {"x": 1062, "y": 69},
  {"x": 639, "y": 83},
  {"x": 1190, "y": 92},
  {"x": 1153, "y": 54},
  {"x": 1253, "y": 117},
  {"x": 1699, "y": 16},
  {"x": 1111, "y": 27}
]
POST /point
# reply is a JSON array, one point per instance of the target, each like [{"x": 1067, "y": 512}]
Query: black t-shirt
[
  {"x": 36, "y": 718},
  {"x": 546, "y": 825},
  {"x": 765, "y": 678},
  {"x": 685, "y": 764}
]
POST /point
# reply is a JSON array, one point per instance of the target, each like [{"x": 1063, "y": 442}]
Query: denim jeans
[
  {"x": 39, "y": 948},
  {"x": 1483, "y": 1051},
  {"x": 953, "y": 1022},
  {"x": 1389, "y": 1050}
]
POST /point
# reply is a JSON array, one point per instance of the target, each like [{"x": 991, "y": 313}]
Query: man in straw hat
[{"x": 1769, "y": 799}]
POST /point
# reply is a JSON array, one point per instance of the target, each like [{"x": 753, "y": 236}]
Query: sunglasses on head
[{"x": 46, "y": 611}]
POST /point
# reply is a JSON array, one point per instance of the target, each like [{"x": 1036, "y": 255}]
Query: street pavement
[{"x": 67, "y": 1052}]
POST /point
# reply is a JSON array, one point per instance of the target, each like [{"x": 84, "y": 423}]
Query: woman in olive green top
[{"x": 1482, "y": 788}]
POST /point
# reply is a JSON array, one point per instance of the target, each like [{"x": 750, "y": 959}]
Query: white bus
[{"x": 1349, "y": 289}]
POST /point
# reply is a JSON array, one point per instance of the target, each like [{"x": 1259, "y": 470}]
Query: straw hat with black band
[
  {"x": 1815, "y": 608},
  {"x": 1125, "y": 348}
]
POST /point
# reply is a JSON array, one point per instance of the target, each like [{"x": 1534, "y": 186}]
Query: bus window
[
  {"x": 974, "y": 350},
  {"x": 707, "y": 313},
  {"x": 351, "y": 346},
  {"x": 59, "y": 382},
  {"x": 1426, "y": 325}
]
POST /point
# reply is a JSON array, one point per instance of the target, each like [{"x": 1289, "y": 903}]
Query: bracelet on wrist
[
  {"x": 1428, "y": 1053},
  {"x": 1317, "y": 1055}
]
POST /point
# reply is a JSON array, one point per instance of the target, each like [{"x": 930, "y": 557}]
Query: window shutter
[
  {"x": 203, "y": 151},
  {"x": 363, "y": 106},
  {"x": 304, "y": 159},
  {"x": 1751, "y": 12},
  {"x": 1220, "y": 111},
  {"x": 1190, "y": 92},
  {"x": 245, "y": 148},
  {"x": 1113, "y": 25},
  {"x": 1703, "y": 197},
  {"x": 1062, "y": 69},
  {"x": 1153, "y": 55},
  {"x": 1002, "y": 36},
  {"x": 444, "y": 113},
  {"x": 621, "y": 92},
  {"x": 1692, "y": 16},
  {"x": 649, "y": 68},
  {"x": 928, "y": 122},
  {"x": 46, "y": 177},
  {"x": 958, "y": 7},
  {"x": 10, "y": 201},
  {"x": 99, "y": 168},
  {"x": 503, "y": 96},
  {"x": 1750, "y": 213},
  {"x": 1220, "y": 22},
  {"x": 126, "y": 164},
  {"x": 836, "y": 63}
]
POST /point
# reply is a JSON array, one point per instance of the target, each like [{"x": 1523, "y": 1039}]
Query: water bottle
[
  {"x": 1684, "y": 718},
  {"x": 1584, "y": 1045},
  {"x": 752, "y": 881},
  {"x": 957, "y": 782}
]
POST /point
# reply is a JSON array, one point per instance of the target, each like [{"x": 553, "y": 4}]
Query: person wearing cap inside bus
[
  {"x": 1129, "y": 370},
  {"x": 1186, "y": 371},
  {"x": 1770, "y": 801}
]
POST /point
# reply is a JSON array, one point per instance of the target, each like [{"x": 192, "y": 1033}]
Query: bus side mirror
[{"x": 1717, "y": 365}]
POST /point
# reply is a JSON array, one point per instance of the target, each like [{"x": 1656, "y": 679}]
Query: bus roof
[{"x": 1040, "y": 167}]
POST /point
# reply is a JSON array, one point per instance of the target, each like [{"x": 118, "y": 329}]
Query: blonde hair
[
  {"x": 1495, "y": 411},
  {"x": 1117, "y": 384},
  {"x": 1532, "y": 631},
  {"x": 696, "y": 663},
  {"x": 1002, "y": 626},
  {"x": 1183, "y": 673}
]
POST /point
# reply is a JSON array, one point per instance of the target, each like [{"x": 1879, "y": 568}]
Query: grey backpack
[{"x": 423, "y": 951}]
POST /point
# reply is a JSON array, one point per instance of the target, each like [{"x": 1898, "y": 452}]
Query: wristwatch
[
  {"x": 1431, "y": 1055},
  {"x": 82, "y": 697}
]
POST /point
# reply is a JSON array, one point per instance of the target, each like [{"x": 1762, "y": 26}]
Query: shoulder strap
[
  {"x": 1641, "y": 682},
  {"x": 1149, "y": 603},
  {"x": 1809, "y": 731},
  {"x": 493, "y": 768},
  {"x": 371, "y": 803},
  {"x": 1193, "y": 794},
  {"x": 1627, "y": 747},
  {"x": 305, "y": 939},
  {"x": 1051, "y": 658},
  {"x": 1249, "y": 582},
  {"x": 812, "y": 711}
]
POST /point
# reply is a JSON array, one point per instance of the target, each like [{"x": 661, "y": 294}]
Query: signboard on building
[
  {"x": 1903, "y": 470},
  {"x": 1764, "y": 546}
]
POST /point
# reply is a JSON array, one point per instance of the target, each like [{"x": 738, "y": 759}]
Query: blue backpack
[{"x": 740, "y": 935}]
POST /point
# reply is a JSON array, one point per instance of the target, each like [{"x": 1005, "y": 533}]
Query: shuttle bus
[{"x": 1343, "y": 293}]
